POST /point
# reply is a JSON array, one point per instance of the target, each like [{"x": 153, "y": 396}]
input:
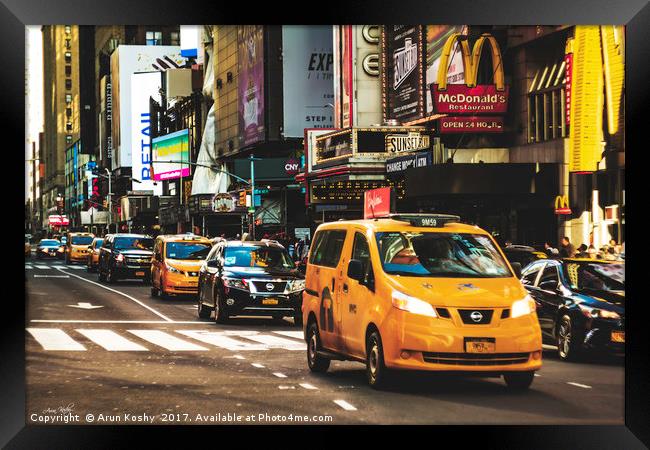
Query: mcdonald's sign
[
  {"x": 470, "y": 98},
  {"x": 562, "y": 204}
]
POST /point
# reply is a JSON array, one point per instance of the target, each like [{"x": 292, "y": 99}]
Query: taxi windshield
[
  {"x": 81, "y": 240},
  {"x": 267, "y": 257},
  {"x": 49, "y": 243},
  {"x": 597, "y": 276},
  {"x": 460, "y": 255},
  {"x": 187, "y": 250}
]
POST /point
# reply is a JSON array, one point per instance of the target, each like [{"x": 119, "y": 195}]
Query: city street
[{"x": 113, "y": 354}]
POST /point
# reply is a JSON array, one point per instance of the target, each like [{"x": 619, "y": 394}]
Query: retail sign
[
  {"x": 436, "y": 36},
  {"x": 58, "y": 221},
  {"x": 562, "y": 205},
  {"x": 408, "y": 142},
  {"x": 568, "y": 79},
  {"x": 403, "y": 74},
  {"x": 292, "y": 166},
  {"x": 250, "y": 45},
  {"x": 460, "y": 99},
  {"x": 224, "y": 202},
  {"x": 471, "y": 124},
  {"x": 307, "y": 64},
  {"x": 470, "y": 98},
  {"x": 171, "y": 147},
  {"x": 377, "y": 202},
  {"x": 400, "y": 164}
]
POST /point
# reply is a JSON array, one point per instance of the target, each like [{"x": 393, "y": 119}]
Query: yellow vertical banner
[
  {"x": 586, "y": 133},
  {"x": 613, "y": 43}
]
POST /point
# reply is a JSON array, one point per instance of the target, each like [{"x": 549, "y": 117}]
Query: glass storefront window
[{"x": 546, "y": 103}]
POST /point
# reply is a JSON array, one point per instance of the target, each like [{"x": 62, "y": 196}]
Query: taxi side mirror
[
  {"x": 517, "y": 269},
  {"x": 355, "y": 269}
]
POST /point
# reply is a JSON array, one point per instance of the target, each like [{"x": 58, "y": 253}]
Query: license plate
[
  {"x": 618, "y": 336},
  {"x": 480, "y": 346},
  {"x": 270, "y": 301},
  {"x": 139, "y": 274}
]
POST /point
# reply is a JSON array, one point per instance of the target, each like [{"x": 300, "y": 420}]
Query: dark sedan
[
  {"x": 522, "y": 254},
  {"x": 250, "y": 278},
  {"x": 125, "y": 256},
  {"x": 580, "y": 304},
  {"x": 47, "y": 248}
]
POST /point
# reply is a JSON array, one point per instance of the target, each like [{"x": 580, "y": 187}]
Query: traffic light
[{"x": 242, "y": 197}]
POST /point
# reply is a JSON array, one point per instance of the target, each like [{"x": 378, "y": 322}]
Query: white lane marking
[
  {"x": 279, "y": 375},
  {"x": 110, "y": 340},
  {"x": 166, "y": 340},
  {"x": 219, "y": 340},
  {"x": 38, "y": 266},
  {"x": 115, "y": 321},
  {"x": 51, "y": 276},
  {"x": 258, "y": 365},
  {"x": 84, "y": 305},
  {"x": 537, "y": 375},
  {"x": 286, "y": 387},
  {"x": 28, "y": 267},
  {"x": 345, "y": 405},
  {"x": 293, "y": 334},
  {"x": 55, "y": 339},
  {"x": 308, "y": 386},
  {"x": 235, "y": 356},
  {"x": 584, "y": 386},
  {"x": 549, "y": 347},
  {"x": 277, "y": 342},
  {"x": 121, "y": 293}
]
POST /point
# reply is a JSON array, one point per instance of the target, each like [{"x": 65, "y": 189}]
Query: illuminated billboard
[{"x": 171, "y": 147}]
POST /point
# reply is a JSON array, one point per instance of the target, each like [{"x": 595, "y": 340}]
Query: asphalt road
[{"x": 112, "y": 354}]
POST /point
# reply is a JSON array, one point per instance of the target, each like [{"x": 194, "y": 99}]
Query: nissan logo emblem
[
  {"x": 269, "y": 286},
  {"x": 476, "y": 316}
]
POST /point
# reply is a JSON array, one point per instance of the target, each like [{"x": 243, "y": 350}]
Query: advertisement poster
[
  {"x": 347, "y": 99},
  {"x": 143, "y": 86},
  {"x": 307, "y": 64},
  {"x": 338, "y": 65},
  {"x": 436, "y": 36},
  {"x": 250, "y": 44},
  {"x": 403, "y": 79},
  {"x": 171, "y": 147}
]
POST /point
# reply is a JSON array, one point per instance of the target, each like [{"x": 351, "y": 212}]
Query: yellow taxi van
[
  {"x": 417, "y": 292},
  {"x": 176, "y": 262},
  {"x": 76, "y": 247}
]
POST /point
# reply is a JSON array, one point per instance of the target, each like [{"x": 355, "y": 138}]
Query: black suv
[
  {"x": 250, "y": 278},
  {"x": 125, "y": 256}
]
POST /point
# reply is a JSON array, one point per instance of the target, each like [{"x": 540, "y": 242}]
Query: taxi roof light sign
[{"x": 426, "y": 220}]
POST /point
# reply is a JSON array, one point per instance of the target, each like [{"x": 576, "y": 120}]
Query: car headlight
[
  {"x": 296, "y": 285},
  {"x": 235, "y": 283},
  {"x": 597, "y": 313},
  {"x": 412, "y": 304},
  {"x": 173, "y": 269},
  {"x": 522, "y": 307}
]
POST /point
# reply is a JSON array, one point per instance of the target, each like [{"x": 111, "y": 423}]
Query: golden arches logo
[
  {"x": 562, "y": 204},
  {"x": 471, "y": 60}
]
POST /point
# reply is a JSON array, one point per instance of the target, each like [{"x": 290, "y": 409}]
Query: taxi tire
[
  {"x": 163, "y": 294},
  {"x": 203, "y": 311},
  {"x": 567, "y": 351},
  {"x": 315, "y": 362},
  {"x": 377, "y": 373},
  {"x": 100, "y": 275},
  {"x": 519, "y": 381}
]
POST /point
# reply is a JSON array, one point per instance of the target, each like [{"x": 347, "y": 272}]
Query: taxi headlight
[
  {"x": 412, "y": 304},
  {"x": 522, "y": 307},
  {"x": 173, "y": 269}
]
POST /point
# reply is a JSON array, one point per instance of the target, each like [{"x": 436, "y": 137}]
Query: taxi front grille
[
  {"x": 276, "y": 286},
  {"x": 475, "y": 359}
]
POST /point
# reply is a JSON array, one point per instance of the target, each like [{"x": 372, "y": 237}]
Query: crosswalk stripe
[
  {"x": 277, "y": 342},
  {"x": 41, "y": 267},
  {"x": 28, "y": 267},
  {"x": 345, "y": 405},
  {"x": 166, "y": 340},
  {"x": 55, "y": 339},
  {"x": 293, "y": 334},
  {"x": 219, "y": 340},
  {"x": 110, "y": 340},
  {"x": 75, "y": 267}
]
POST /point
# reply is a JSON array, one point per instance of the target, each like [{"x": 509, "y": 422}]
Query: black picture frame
[{"x": 15, "y": 14}]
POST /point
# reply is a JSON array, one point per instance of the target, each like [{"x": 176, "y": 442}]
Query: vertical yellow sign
[
  {"x": 586, "y": 134},
  {"x": 613, "y": 42}
]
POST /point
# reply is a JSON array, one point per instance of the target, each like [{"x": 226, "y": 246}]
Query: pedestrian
[
  {"x": 550, "y": 250},
  {"x": 591, "y": 251},
  {"x": 567, "y": 249},
  {"x": 582, "y": 251},
  {"x": 615, "y": 246}
]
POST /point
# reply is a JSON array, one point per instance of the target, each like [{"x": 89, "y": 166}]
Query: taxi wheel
[
  {"x": 315, "y": 362},
  {"x": 100, "y": 274},
  {"x": 567, "y": 342},
  {"x": 220, "y": 316},
  {"x": 203, "y": 311},
  {"x": 376, "y": 371},
  {"x": 519, "y": 381}
]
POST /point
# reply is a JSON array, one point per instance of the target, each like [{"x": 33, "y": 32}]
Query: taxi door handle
[
  {"x": 345, "y": 288},
  {"x": 332, "y": 284}
]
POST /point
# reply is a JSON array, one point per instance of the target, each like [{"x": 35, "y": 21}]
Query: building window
[
  {"x": 68, "y": 112},
  {"x": 68, "y": 29},
  {"x": 68, "y": 57},
  {"x": 68, "y": 71},
  {"x": 67, "y": 44},
  {"x": 154, "y": 37},
  {"x": 547, "y": 104},
  {"x": 68, "y": 83},
  {"x": 68, "y": 98},
  {"x": 68, "y": 126},
  {"x": 175, "y": 38},
  {"x": 68, "y": 138}
]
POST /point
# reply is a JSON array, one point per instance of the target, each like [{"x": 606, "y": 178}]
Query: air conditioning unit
[{"x": 179, "y": 82}]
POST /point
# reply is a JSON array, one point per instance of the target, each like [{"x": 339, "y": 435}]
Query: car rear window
[{"x": 81, "y": 240}]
